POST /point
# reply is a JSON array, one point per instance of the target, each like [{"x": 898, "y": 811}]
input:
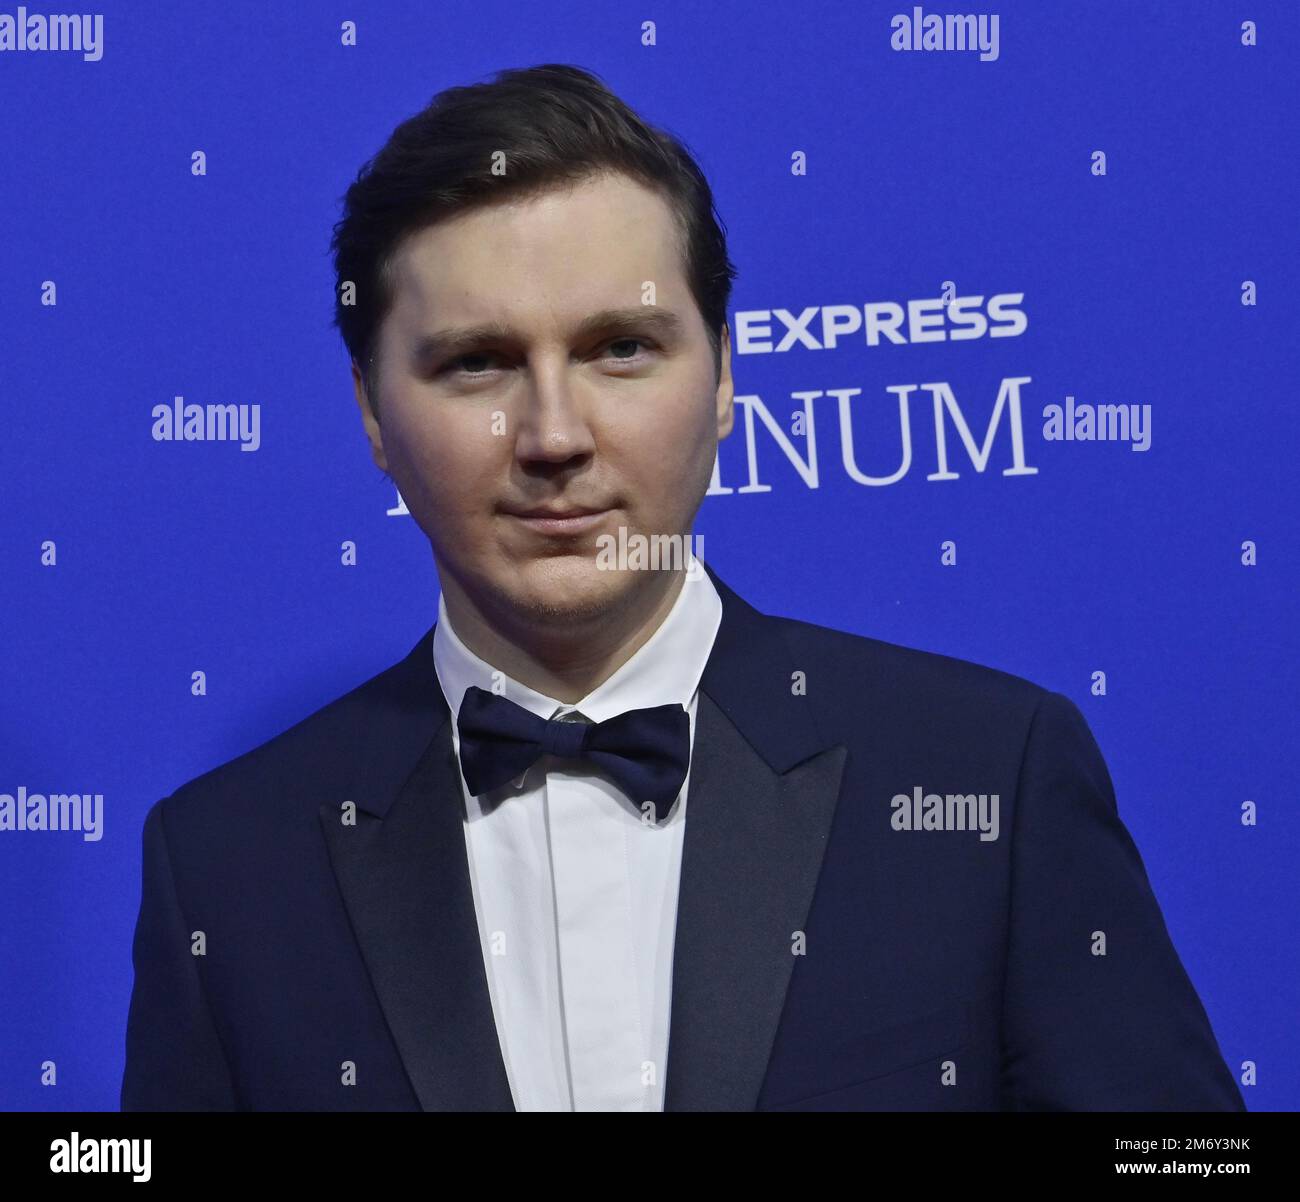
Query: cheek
[
  {"x": 665, "y": 464},
  {"x": 694, "y": 436},
  {"x": 454, "y": 459}
]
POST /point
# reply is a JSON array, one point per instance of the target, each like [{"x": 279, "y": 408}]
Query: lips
[
  {"x": 574, "y": 520},
  {"x": 542, "y": 511}
]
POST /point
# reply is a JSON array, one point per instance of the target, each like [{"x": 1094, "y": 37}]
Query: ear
[
  {"x": 369, "y": 420},
  {"x": 726, "y": 389}
]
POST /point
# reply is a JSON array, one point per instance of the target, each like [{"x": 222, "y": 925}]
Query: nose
[{"x": 552, "y": 423}]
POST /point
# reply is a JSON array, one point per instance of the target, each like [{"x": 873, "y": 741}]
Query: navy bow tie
[{"x": 645, "y": 751}]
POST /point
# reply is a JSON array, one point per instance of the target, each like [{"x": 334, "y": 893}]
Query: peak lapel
[
  {"x": 762, "y": 794},
  {"x": 404, "y": 876}
]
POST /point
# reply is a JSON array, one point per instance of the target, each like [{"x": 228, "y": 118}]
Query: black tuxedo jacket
[{"x": 823, "y": 959}]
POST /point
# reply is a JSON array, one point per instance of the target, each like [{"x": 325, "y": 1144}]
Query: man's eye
[
  {"x": 453, "y": 364},
  {"x": 477, "y": 363},
  {"x": 627, "y": 342}
]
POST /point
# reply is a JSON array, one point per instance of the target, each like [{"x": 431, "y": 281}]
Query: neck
[{"x": 565, "y": 659}]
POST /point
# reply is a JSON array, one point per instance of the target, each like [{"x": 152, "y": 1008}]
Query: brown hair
[{"x": 556, "y": 124}]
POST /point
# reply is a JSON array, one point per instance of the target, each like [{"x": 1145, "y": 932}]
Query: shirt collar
[{"x": 665, "y": 670}]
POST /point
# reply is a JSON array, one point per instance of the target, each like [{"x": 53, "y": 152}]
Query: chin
[{"x": 566, "y": 588}]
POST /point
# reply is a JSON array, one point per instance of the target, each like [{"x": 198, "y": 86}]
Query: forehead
[{"x": 561, "y": 253}]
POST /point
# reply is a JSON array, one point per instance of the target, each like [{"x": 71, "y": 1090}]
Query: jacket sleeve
[
  {"x": 1121, "y": 1031},
  {"x": 174, "y": 1059}
]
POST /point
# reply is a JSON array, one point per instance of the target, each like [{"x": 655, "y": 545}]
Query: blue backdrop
[{"x": 1126, "y": 172}]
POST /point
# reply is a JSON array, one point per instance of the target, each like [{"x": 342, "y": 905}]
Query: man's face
[{"x": 619, "y": 416}]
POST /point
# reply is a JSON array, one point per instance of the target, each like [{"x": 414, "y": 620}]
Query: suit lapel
[
  {"x": 761, "y": 796},
  {"x": 404, "y": 876},
  {"x": 760, "y": 800}
]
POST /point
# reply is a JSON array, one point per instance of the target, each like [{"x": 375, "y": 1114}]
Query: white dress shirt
[{"x": 576, "y": 895}]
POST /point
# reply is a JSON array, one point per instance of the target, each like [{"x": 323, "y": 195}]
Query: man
[{"x": 608, "y": 838}]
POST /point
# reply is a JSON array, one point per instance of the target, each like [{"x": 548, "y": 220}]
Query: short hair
[{"x": 557, "y": 125}]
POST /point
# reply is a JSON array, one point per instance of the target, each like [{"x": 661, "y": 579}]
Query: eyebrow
[{"x": 465, "y": 339}]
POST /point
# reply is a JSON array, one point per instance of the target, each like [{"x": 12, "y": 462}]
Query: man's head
[{"x": 540, "y": 289}]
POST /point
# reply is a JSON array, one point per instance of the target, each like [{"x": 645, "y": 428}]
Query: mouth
[{"x": 560, "y": 521}]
